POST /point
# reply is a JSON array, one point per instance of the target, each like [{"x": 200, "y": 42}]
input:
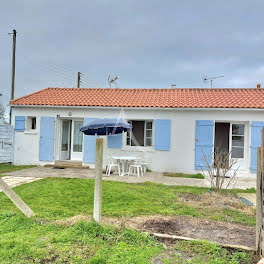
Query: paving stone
[{"x": 18, "y": 177}]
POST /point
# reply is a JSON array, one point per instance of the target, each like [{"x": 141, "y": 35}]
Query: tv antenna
[
  {"x": 173, "y": 86},
  {"x": 211, "y": 79},
  {"x": 112, "y": 81}
]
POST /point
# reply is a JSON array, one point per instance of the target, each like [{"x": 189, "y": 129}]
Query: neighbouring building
[
  {"x": 174, "y": 127},
  {"x": 6, "y": 137}
]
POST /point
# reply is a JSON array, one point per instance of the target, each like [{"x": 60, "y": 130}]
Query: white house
[{"x": 174, "y": 127}]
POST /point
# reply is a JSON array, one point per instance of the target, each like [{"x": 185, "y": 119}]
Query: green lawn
[
  {"x": 40, "y": 240},
  {"x": 62, "y": 198},
  {"x": 10, "y": 167},
  {"x": 26, "y": 241},
  {"x": 183, "y": 175},
  {"x": 194, "y": 252}
]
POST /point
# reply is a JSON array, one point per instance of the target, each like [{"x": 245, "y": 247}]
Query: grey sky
[{"x": 149, "y": 43}]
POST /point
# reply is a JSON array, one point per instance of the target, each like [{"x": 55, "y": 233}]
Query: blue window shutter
[
  {"x": 115, "y": 141},
  {"x": 203, "y": 142},
  {"x": 89, "y": 145},
  {"x": 162, "y": 134},
  {"x": 256, "y": 127},
  {"x": 20, "y": 123},
  {"x": 46, "y": 141}
]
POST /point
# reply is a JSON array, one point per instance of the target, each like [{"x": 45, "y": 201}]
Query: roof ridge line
[{"x": 159, "y": 89}]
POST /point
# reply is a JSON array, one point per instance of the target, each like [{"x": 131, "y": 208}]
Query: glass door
[
  {"x": 77, "y": 140},
  {"x": 65, "y": 140},
  {"x": 237, "y": 134}
]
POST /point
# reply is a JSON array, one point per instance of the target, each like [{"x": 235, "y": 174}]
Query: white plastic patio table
[{"x": 124, "y": 163}]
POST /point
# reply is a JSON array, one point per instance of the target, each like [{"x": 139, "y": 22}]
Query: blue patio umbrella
[
  {"x": 106, "y": 126},
  {"x": 102, "y": 127}
]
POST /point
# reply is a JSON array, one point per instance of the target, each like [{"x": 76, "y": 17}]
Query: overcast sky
[{"x": 150, "y": 43}]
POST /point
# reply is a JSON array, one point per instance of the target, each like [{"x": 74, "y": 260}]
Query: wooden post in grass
[
  {"x": 259, "y": 197},
  {"x": 20, "y": 204},
  {"x": 258, "y": 202},
  {"x": 98, "y": 180}
]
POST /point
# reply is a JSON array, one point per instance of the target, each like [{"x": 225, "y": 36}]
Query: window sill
[
  {"x": 31, "y": 132},
  {"x": 137, "y": 148}
]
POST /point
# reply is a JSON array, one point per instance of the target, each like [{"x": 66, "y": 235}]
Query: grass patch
[
  {"x": 39, "y": 240},
  {"x": 55, "y": 198},
  {"x": 10, "y": 167},
  {"x": 233, "y": 216},
  {"x": 183, "y": 175},
  {"x": 27, "y": 241},
  {"x": 206, "y": 252}
]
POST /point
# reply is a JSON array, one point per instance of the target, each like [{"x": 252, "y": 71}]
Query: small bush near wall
[{"x": 183, "y": 175}]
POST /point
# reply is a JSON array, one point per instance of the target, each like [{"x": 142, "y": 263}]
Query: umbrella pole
[{"x": 98, "y": 181}]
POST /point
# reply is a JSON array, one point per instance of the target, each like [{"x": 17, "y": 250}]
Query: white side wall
[{"x": 181, "y": 156}]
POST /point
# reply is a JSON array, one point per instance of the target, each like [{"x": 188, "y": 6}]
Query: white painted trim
[
  {"x": 140, "y": 108},
  {"x": 31, "y": 132},
  {"x": 137, "y": 148}
]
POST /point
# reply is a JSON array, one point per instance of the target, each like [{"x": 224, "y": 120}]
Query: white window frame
[
  {"x": 145, "y": 129},
  {"x": 231, "y": 139},
  {"x": 145, "y": 133},
  {"x": 242, "y": 163},
  {"x": 28, "y": 125}
]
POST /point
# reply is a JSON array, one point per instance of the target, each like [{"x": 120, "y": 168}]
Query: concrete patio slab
[
  {"x": 156, "y": 177},
  {"x": 12, "y": 181},
  {"x": 249, "y": 196}
]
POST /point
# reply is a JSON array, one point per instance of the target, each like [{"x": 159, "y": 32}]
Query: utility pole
[
  {"x": 13, "y": 71},
  {"x": 79, "y": 80}
]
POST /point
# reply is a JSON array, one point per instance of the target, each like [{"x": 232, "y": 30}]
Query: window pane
[
  {"x": 238, "y": 141},
  {"x": 238, "y": 129},
  {"x": 148, "y": 142},
  {"x": 148, "y": 125},
  {"x": 128, "y": 137},
  {"x": 148, "y": 133},
  {"x": 65, "y": 135},
  {"x": 237, "y": 153},
  {"x": 33, "y": 123},
  {"x": 77, "y": 136},
  {"x": 138, "y": 133}
]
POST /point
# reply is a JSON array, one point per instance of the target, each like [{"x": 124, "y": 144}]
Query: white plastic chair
[
  {"x": 112, "y": 164},
  {"x": 145, "y": 162},
  {"x": 136, "y": 166}
]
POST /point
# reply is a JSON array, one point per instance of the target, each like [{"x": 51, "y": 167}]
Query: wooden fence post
[
  {"x": 259, "y": 197},
  {"x": 98, "y": 180},
  {"x": 20, "y": 204},
  {"x": 258, "y": 201}
]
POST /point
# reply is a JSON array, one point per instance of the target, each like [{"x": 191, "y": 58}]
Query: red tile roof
[{"x": 165, "y": 98}]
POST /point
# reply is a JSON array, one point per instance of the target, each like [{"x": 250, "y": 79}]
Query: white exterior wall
[{"x": 180, "y": 158}]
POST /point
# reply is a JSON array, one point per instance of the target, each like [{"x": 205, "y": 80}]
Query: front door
[
  {"x": 77, "y": 140},
  {"x": 65, "y": 140}
]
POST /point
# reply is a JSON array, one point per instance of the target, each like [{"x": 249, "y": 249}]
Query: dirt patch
[
  {"x": 74, "y": 220},
  {"x": 216, "y": 231},
  {"x": 215, "y": 201},
  {"x": 77, "y": 218},
  {"x": 220, "y": 232}
]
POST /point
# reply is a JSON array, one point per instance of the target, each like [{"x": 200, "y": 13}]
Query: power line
[
  {"x": 69, "y": 74},
  {"x": 85, "y": 75}
]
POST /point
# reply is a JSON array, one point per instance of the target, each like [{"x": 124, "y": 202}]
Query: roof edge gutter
[{"x": 140, "y": 108}]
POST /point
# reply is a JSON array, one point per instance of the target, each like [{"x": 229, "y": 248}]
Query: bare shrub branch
[{"x": 222, "y": 172}]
